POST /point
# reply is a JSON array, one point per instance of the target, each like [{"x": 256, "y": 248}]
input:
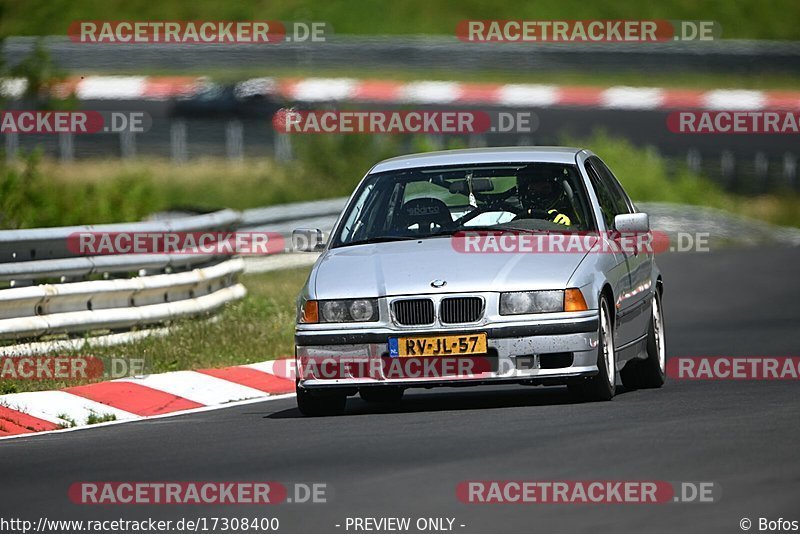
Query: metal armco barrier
[
  {"x": 48, "y": 309},
  {"x": 42, "y": 253},
  {"x": 52, "y": 291},
  {"x": 424, "y": 52}
]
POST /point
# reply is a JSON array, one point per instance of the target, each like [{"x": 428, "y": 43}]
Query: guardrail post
[
  {"x": 761, "y": 163},
  {"x": 66, "y": 148},
  {"x": 178, "y": 142},
  {"x": 12, "y": 146},
  {"x": 283, "y": 147},
  {"x": 727, "y": 166},
  {"x": 234, "y": 141},
  {"x": 694, "y": 160},
  {"x": 790, "y": 169},
  {"x": 127, "y": 144},
  {"x": 477, "y": 141},
  {"x": 435, "y": 141}
]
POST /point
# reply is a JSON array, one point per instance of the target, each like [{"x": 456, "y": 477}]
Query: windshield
[{"x": 440, "y": 201}]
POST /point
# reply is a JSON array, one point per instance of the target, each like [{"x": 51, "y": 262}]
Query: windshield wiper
[
  {"x": 379, "y": 239},
  {"x": 486, "y": 228}
]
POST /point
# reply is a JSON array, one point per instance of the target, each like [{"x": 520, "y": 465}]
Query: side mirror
[
  {"x": 632, "y": 223},
  {"x": 307, "y": 240}
]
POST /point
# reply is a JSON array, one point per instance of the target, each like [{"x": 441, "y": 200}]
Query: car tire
[
  {"x": 600, "y": 387},
  {"x": 651, "y": 372},
  {"x": 382, "y": 394},
  {"x": 320, "y": 404}
]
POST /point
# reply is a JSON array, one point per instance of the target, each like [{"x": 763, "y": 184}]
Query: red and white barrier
[
  {"x": 131, "y": 399},
  {"x": 423, "y": 92}
]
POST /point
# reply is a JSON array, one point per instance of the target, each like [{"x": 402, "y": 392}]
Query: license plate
[{"x": 459, "y": 345}]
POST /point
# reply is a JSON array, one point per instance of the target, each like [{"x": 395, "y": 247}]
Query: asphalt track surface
[{"x": 406, "y": 460}]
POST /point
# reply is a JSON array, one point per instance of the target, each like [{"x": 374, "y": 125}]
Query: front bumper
[{"x": 542, "y": 352}]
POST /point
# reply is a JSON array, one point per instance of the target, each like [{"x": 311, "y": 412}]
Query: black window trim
[
  {"x": 594, "y": 176},
  {"x": 615, "y": 184}
]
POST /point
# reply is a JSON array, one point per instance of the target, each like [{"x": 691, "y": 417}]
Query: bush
[{"x": 647, "y": 176}]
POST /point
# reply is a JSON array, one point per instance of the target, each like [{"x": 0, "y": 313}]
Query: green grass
[
  {"x": 68, "y": 422},
  {"x": 257, "y": 328},
  {"x": 750, "y": 19},
  {"x": 95, "y": 418},
  {"x": 40, "y": 193},
  {"x": 50, "y": 193}
]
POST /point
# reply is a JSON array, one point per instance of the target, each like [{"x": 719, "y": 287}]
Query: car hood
[{"x": 409, "y": 267}]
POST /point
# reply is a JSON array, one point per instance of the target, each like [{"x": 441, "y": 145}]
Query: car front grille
[
  {"x": 413, "y": 312},
  {"x": 456, "y": 310}
]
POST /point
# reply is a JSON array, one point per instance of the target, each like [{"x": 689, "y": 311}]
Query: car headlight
[
  {"x": 339, "y": 311},
  {"x": 361, "y": 310},
  {"x": 520, "y": 302},
  {"x": 334, "y": 311}
]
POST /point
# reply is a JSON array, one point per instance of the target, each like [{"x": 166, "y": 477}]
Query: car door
[
  {"x": 611, "y": 205},
  {"x": 640, "y": 263}
]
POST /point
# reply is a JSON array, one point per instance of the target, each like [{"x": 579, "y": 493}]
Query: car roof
[{"x": 513, "y": 154}]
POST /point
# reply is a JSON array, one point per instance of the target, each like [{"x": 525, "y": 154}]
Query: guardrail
[
  {"x": 41, "y": 253},
  {"x": 52, "y": 291},
  {"x": 79, "y": 307}
]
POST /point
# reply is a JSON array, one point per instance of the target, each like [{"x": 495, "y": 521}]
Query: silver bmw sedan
[{"x": 519, "y": 265}]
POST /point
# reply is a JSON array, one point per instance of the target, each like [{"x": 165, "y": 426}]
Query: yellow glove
[{"x": 560, "y": 218}]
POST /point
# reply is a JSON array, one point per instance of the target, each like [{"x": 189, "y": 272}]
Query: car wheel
[
  {"x": 601, "y": 387},
  {"x": 320, "y": 404},
  {"x": 650, "y": 373},
  {"x": 382, "y": 394}
]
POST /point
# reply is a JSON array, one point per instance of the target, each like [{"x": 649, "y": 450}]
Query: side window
[
  {"x": 614, "y": 185},
  {"x": 611, "y": 204}
]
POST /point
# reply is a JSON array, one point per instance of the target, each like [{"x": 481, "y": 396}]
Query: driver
[{"x": 541, "y": 194}]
